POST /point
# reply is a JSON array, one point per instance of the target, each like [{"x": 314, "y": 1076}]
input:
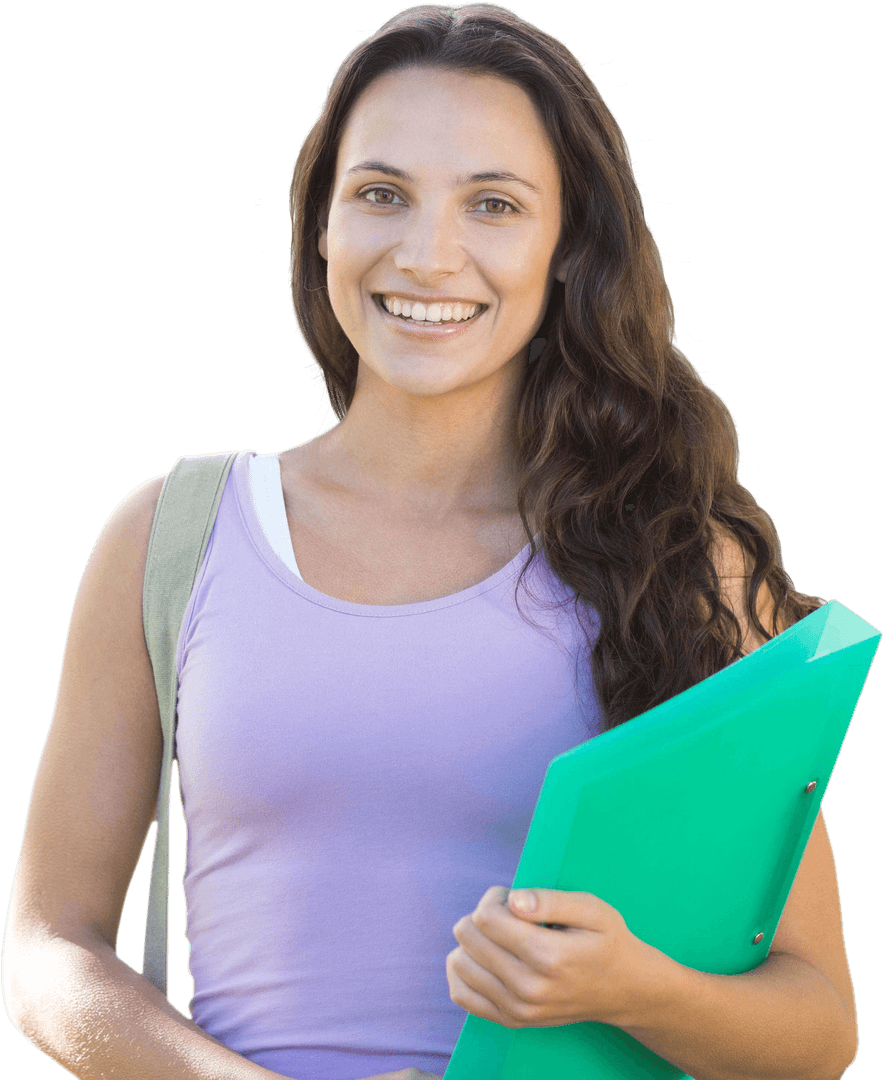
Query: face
[{"x": 441, "y": 234}]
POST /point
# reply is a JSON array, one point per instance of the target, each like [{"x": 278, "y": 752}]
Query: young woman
[{"x": 366, "y": 708}]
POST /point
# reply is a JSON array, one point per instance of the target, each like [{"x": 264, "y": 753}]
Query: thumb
[
  {"x": 523, "y": 901},
  {"x": 557, "y": 908}
]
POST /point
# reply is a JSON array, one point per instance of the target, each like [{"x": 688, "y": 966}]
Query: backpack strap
[{"x": 182, "y": 525}]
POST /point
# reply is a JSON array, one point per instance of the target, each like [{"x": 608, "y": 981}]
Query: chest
[{"x": 378, "y": 555}]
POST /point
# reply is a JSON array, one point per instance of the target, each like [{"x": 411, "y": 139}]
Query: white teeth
[{"x": 432, "y": 313}]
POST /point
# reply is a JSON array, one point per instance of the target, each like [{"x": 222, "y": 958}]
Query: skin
[
  {"x": 512, "y": 968},
  {"x": 430, "y": 429}
]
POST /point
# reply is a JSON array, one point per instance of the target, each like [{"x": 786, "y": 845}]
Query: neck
[{"x": 436, "y": 461}]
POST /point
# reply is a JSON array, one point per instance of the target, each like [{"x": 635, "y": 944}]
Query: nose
[{"x": 431, "y": 245}]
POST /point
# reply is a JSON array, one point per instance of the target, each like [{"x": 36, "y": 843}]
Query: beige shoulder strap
[{"x": 182, "y": 525}]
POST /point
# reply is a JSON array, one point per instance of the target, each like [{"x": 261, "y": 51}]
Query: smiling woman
[
  {"x": 441, "y": 235},
  {"x": 363, "y": 731}
]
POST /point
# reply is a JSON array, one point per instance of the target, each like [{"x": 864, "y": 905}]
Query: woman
[{"x": 464, "y": 171}]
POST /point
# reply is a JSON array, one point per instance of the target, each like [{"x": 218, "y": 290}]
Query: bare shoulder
[
  {"x": 728, "y": 554},
  {"x": 733, "y": 564},
  {"x": 95, "y": 791},
  {"x": 132, "y": 518}
]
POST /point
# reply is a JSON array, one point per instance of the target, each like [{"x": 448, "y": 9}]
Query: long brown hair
[{"x": 628, "y": 461}]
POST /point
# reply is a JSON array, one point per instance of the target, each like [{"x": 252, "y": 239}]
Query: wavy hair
[{"x": 627, "y": 460}]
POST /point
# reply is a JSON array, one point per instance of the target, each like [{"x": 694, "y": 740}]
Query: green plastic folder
[{"x": 691, "y": 819}]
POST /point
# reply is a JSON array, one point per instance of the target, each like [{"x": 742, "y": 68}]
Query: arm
[
  {"x": 780, "y": 1021},
  {"x": 784, "y": 1020},
  {"x": 74, "y": 998},
  {"x": 94, "y": 798},
  {"x": 794, "y": 1015}
]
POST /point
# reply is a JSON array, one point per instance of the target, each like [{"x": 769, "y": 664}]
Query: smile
[{"x": 444, "y": 331}]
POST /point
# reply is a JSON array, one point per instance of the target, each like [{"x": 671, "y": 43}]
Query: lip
[
  {"x": 438, "y": 333},
  {"x": 427, "y": 301}
]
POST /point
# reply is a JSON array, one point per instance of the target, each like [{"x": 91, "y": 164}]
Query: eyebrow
[{"x": 464, "y": 178}]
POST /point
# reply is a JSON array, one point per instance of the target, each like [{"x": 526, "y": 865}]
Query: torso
[{"x": 367, "y": 553}]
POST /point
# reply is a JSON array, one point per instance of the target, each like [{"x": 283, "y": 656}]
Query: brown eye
[
  {"x": 383, "y": 191},
  {"x": 490, "y": 199},
  {"x": 502, "y": 202}
]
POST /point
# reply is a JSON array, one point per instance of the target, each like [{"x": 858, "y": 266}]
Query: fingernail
[{"x": 525, "y": 900}]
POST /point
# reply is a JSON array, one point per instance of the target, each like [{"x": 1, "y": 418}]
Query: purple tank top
[{"x": 354, "y": 778}]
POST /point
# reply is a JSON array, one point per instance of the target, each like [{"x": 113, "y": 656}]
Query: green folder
[{"x": 691, "y": 819}]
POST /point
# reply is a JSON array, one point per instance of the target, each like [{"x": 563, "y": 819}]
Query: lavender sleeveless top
[{"x": 354, "y": 778}]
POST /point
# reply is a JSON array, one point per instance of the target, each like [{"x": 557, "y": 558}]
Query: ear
[
  {"x": 322, "y": 243},
  {"x": 562, "y": 268}
]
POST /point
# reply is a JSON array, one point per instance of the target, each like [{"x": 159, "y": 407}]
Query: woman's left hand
[{"x": 510, "y": 969}]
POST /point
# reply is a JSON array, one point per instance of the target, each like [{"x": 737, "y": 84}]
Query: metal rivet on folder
[
  {"x": 811, "y": 786},
  {"x": 757, "y": 938}
]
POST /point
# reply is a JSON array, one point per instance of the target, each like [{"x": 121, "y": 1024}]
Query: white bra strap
[{"x": 265, "y": 481}]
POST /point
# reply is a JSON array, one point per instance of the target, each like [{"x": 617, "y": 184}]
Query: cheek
[
  {"x": 351, "y": 270},
  {"x": 527, "y": 272},
  {"x": 520, "y": 284},
  {"x": 356, "y": 239}
]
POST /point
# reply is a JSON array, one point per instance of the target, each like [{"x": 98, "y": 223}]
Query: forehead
[{"x": 425, "y": 119}]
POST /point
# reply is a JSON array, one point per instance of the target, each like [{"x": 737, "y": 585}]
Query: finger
[
  {"x": 472, "y": 989},
  {"x": 496, "y": 948},
  {"x": 495, "y": 897},
  {"x": 510, "y": 987},
  {"x": 497, "y": 925},
  {"x": 480, "y": 975}
]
